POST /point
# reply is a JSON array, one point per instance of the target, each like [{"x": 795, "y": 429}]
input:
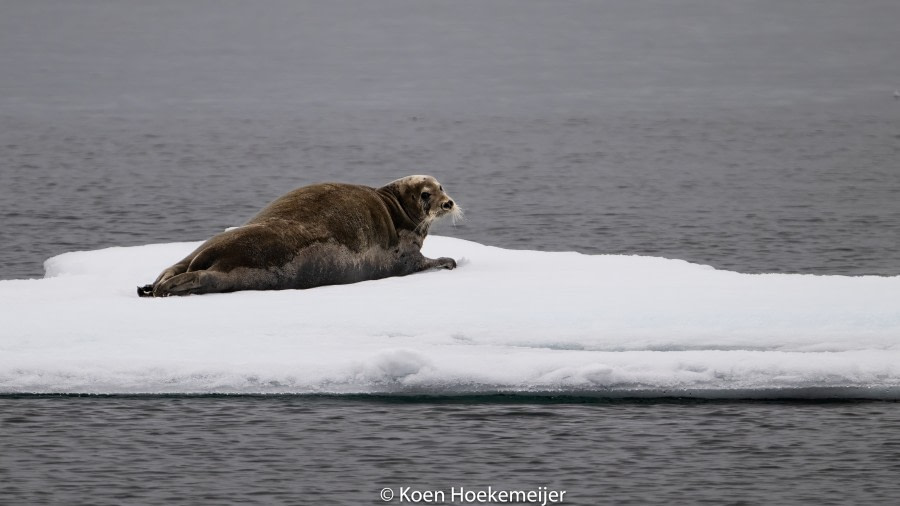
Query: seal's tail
[{"x": 145, "y": 291}]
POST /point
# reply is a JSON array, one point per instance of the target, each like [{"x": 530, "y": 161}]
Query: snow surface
[{"x": 504, "y": 321}]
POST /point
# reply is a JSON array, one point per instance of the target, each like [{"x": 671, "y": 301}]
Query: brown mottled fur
[{"x": 323, "y": 234}]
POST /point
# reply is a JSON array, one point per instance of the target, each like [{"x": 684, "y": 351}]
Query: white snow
[{"x": 504, "y": 321}]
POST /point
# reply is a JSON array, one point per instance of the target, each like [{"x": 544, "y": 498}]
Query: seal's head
[{"x": 424, "y": 199}]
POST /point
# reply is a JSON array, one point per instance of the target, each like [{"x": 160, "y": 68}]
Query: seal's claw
[{"x": 145, "y": 291}]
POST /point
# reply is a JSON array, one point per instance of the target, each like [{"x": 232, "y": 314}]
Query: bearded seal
[{"x": 322, "y": 234}]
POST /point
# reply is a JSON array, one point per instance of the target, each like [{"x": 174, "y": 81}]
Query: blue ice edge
[{"x": 806, "y": 394}]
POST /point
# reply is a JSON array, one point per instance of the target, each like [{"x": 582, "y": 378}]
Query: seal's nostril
[{"x": 448, "y": 205}]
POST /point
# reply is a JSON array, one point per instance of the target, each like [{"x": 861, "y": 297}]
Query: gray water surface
[
  {"x": 309, "y": 450},
  {"x": 757, "y": 136}
]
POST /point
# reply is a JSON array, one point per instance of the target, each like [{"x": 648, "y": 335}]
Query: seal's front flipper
[
  {"x": 446, "y": 263},
  {"x": 145, "y": 291},
  {"x": 440, "y": 263}
]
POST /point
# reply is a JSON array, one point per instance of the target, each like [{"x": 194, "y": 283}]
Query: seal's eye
[{"x": 426, "y": 195}]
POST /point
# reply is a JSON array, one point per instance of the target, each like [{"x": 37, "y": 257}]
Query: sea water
[
  {"x": 326, "y": 450},
  {"x": 752, "y": 136}
]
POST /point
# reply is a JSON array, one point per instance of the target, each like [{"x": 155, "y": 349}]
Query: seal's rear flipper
[{"x": 145, "y": 291}]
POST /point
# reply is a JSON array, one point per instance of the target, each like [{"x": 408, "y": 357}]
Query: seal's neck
[{"x": 415, "y": 221}]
